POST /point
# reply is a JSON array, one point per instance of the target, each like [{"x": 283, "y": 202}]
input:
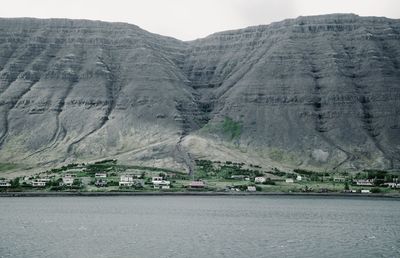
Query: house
[
  {"x": 126, "y": 180},
  {"x": 156, "y": 179},
  {"x": 100, "y": 175},
  {"x": 393, "y": 185},
  {"x": 100, "y": 183},
  {"x": 299, "y": 178},
  {"x": 260, "y": 180},
  {"x": 39, "y": 183},
  {"x": 67, "y": 181},
  {"x": 289, "y": 180},
  {"x": 239, "y": 177},
  {"x": 5, "y": 183},
  {"x": 251, "y": 188},
  {"x": 364, "y": 182},
  {"x": 339, "y": 179},
  {"x": 197, "y": 184},
  {"x": 160, "y": 183}
]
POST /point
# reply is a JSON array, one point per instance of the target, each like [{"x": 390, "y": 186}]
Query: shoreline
[{"x": 99, "y": 194}]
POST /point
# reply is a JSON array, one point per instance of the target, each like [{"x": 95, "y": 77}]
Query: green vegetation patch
[
  {"x": 231, "y": 128},
  {"x": 7, "y": 166},
  {"x": 216, "y": 169}
]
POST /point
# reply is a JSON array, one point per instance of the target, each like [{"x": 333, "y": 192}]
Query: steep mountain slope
[
  {"x": 313, "y": 90},
  {"x": 320, "y": 91},
  {"x": 82, "y": 89}
]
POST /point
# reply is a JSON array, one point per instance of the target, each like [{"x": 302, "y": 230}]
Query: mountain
[{"x": 319, "y": 92}]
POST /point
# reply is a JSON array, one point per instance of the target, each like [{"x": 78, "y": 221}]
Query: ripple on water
[{"x": 199, "y": 227}]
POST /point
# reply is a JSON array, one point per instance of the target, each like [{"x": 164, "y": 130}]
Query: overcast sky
[{"x": 190, "y": 19}]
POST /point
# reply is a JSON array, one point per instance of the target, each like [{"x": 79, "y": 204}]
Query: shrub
[{"x": 375, "y": 190}]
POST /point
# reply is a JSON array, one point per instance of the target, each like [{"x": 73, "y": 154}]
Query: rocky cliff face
[{"x": 320, "y": 91}]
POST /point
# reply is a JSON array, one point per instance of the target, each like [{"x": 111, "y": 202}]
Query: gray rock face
[{"x": 315, "y": 92}]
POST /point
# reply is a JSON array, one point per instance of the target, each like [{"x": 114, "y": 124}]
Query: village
[{"x": 211, "y": 176}]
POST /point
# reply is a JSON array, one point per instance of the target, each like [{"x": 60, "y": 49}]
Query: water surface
[{"x": 190, "y": 226}]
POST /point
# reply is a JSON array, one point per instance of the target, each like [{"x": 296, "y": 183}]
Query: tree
[
  {"x": 77, "y": 182},
  {"x": 346, "y": 186},
  {"x": 15, "y": 183}
]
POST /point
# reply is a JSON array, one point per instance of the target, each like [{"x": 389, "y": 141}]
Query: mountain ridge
[{"x": 312, "y": 92}]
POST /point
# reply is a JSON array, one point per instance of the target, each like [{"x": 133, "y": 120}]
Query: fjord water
[{"x": 188, "y": 226}]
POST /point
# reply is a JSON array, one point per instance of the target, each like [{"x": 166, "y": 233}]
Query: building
[
  {"x": 364, "y": 182},
  {"x": 365, "y": 191},
  {"x": 251, "y": 188},
  {"x": 39, "y": 183},
  {"x": 239, "y": 177},
  {"x": 339, "y": 179},
  {"x": 163, "y": 185},
  {"x": 197, "y": 184},
  {"x": 5, "y": 183},
  {"x": 126, "y": 180},
  {"x": 100, "y": 175},
  {"x": 299, "y": 178},
  {"x": 67, "y": 181},
  {"x": 289, "y": 180},
  {"x": 101, "y": 183},
  {"x": 156, "y": 179},
  {"x": 260, "y": 180},
  {"x": 160, "y": 183},
  {"x": 393, "y": 185}
]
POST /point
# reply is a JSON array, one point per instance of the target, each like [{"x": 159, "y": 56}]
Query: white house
[
  {"x": 299, "y": 178},
  {"x": 5, "y": 183},
  {"x": 238, "y": 177},
  {"x": 156, "y": 179},
  {"x": 126, "y": 180},
  {"x": 67, "y": 181},
  {"x": 251, "y": 188},
  {"x": 162, "y": 186},
  {"x": 44, "y": 179},
  {"x": 393, "y": 185},
  {"x": 289, "y": 180},
  {"x": 260, "y": 179},
  {"x": 339, "y": 179},
  {"x": 39, "y": 183},
  {"x": 100, "y": 175},
  {"x": 365, "y": 182},
  {"x": 159, "y": 183}
]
